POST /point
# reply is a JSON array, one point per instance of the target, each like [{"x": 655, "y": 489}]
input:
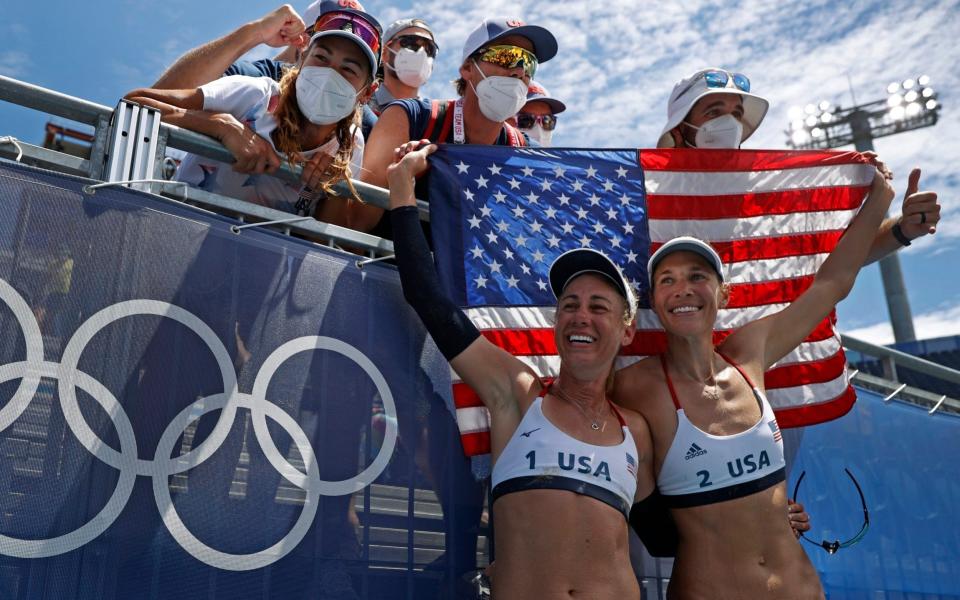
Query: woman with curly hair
[{"x": 311, "y": 117}]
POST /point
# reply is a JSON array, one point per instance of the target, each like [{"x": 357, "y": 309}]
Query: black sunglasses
[
  {"x": 528, "y": 120},
  {"x": 832, "y": 547},
  {"x": 415, "y": 42}
]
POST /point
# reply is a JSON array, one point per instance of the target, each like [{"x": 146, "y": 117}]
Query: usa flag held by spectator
[{"x": 500, "y": 216}]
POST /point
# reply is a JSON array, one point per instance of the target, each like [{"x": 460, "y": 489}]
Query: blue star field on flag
[{"x": 500, "y": 216}]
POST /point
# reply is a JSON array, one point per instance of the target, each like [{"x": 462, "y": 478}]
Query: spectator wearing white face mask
[
  {"x": 310, "y": 117},
  {"x": 281, "y": 27},
  {"x": 538, "y": 117},
  {"x": 714, "y": 108},
  {"x": 499, "y": 58},
  {"x": 407, "y": 62}
]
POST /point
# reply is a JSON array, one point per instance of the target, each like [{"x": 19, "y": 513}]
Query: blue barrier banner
[
  {"x": 905, "y": 460},
  {"x": 189, "y": 412}
]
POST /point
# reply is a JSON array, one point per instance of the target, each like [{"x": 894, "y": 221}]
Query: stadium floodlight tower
[{"x": 910, "y": 104}]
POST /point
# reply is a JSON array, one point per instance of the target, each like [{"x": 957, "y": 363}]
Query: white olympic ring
[{"x": 127, "y": 460}]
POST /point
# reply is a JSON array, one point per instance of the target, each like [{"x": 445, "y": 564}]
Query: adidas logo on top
[{"x": 694, "y": 452}]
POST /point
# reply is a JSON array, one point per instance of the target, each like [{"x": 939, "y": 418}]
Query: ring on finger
[{"x": 923, "y": 218}]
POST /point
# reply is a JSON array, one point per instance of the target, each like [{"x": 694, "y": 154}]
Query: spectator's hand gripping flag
[{"x": 500, "y": 216}]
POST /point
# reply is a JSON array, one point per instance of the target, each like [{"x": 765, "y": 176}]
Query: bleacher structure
[{"x": 128, "y": 147}]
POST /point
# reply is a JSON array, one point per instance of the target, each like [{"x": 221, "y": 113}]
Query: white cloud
[
  {"x": 618, "y": 61},
  {"x": 938, "y": 323},
  {"x": 14, "y": 63}
]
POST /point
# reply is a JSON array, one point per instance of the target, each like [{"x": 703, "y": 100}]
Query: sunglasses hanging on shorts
[
  {"x": 415, "y": 42},
  {"x": 720, "y": 79},
  {"x": 528, "y": 120},
  {"x": 832, "y": 547},
  {"x": 509, "y": 57},
  {"x": 355, "y": 24}
]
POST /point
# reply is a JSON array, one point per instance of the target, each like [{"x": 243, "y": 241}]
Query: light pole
[{"x": 910, "y": 104}]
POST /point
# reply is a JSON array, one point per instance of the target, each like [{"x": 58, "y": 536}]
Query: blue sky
[{"x": 617, "y": 63}]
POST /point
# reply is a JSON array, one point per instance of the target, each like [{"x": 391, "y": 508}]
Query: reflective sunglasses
[
  {"x": 355, "y": 24},
  {"x": 509, "y": 57},
  {"x": 528, "y": 120},
  {"x": 832, "y": 547},
  {"x": 415, "y": 42},
  {"x": 719, "y": 79}
]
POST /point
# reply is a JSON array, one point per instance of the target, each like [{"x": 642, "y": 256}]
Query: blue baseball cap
[
  {"x": 579, "y": 261},
  {"x": 494, "y": 28}
]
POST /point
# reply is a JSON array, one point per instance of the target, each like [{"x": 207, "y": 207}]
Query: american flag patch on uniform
[
  {"x": 776, "y": 430},
  {"x": 632, "y": 464}
]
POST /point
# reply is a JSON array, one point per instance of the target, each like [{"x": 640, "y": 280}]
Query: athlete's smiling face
[
  {"x": 590, "y": 327},
  {"x": 687, "y": 293}
]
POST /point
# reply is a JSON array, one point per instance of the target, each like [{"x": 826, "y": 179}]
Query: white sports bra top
[
  {"x": 701, "y": 468},
  {"x": 541, "y": 456}
]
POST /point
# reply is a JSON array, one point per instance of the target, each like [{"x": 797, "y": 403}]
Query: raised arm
[
  {"x": 498, "y": 378},
  {"x": 281, "y": 27},
  {"x": 919, "y": 216},
  {"x": 769, "y": 339}
]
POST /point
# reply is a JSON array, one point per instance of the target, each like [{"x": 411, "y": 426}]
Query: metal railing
[
  {"x": 99, "y": 116},
  {"x": 890, "y": 384}
]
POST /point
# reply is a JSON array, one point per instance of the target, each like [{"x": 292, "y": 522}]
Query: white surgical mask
[
  {"x": 324, "y": 96},
  {"x": 500, "y": 97},
  {"x": 722, "y": 132},
  {"x": 412, "y": 68},
  {"x": 539, "y": 135}
]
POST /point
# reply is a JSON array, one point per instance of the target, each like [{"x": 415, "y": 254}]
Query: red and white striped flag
[{"x": 773, "y": 216}]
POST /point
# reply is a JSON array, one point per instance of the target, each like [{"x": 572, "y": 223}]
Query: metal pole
[{"x": 898, "y": 303}]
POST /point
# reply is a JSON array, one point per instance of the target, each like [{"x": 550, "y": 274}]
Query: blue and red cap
[
  {"x": 494, "y": 28},
  {"x": 538, "y": 93},
  {"x": 346, "y": 18}
]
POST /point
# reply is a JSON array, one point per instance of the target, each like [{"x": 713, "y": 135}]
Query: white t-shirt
[{"x": 252, "y": 101}]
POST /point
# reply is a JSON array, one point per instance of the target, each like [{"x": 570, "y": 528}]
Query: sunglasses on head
[
  {"x": 509, "y": 57},
  {"x": 720, "y": 79},
  {"x": 415, "y": 42},
  {"x": 355, "y": 24},
  {"x": 832, "y": 547},
  {"x": 528, "y": 120}
]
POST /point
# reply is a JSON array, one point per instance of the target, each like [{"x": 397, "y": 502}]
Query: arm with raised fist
[
  {"x": 498, "y": 378},
  {"x": 279, "y": 28}
]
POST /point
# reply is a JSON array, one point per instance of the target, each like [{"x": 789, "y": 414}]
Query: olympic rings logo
[{"x": 127, "y": 460}]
